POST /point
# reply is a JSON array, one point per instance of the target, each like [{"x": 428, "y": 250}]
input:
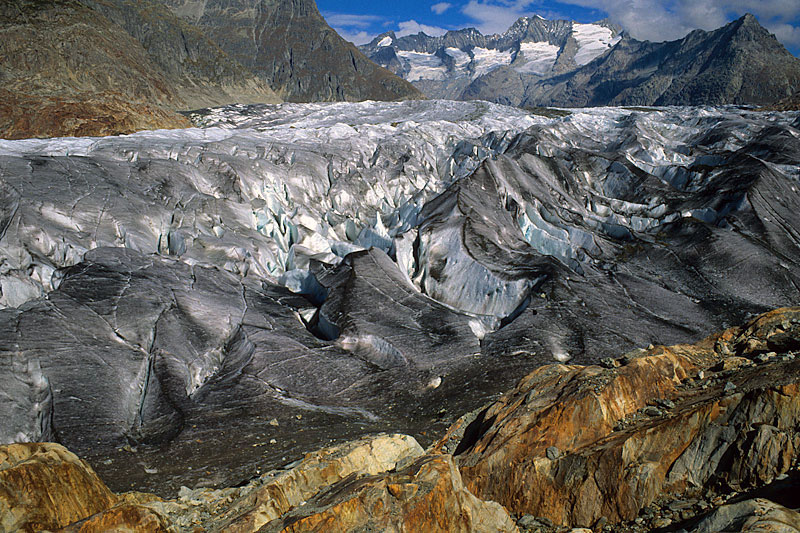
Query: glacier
[{"x": 346, "y": 268}]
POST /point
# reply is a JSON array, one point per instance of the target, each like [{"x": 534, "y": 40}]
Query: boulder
[{"x": 45, "y": 486}]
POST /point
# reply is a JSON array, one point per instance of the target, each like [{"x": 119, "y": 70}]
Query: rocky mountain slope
[
  {"x": 290, "y": 45},
  {"x": 561, "y": 63},
  {"x": 741, "y": 63},
  {"x": 312, "y": 272},
  {"x": 69, "y": 69},
  {"x": 664, "y": 438}
]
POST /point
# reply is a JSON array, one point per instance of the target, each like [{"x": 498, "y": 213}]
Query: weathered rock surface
[
  {"x": 427, "y": 495},
  {"x": 45, "y": 486},
  {"x": 82, "y": 114},
  {"x": 738, "y": 428},
  {"x": 272, "y": 495},
  {"x": 750, "y": 516}
]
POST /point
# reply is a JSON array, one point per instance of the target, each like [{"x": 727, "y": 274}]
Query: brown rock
[
  {"x": 45, "y": 486},
  {"x": 80, "y": 115},
  {"x": 601, "y": 472},
  {"x": 272, "y": 495},
  {"x": 426, "y": 496},
  {"x": 124, "y": 518}
]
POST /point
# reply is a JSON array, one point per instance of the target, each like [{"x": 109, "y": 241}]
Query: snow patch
[
  {"x": 538, "y": 58},
  {"x": 424, "y": 66},
  {"x": 486, "y": 60},
  {"x": 593, "y": 40}
]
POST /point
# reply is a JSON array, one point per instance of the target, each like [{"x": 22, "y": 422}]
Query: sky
[{"x": 655, "y": 20}]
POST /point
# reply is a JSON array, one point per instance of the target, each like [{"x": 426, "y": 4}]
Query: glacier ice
[{"x": 365, "y": 265}]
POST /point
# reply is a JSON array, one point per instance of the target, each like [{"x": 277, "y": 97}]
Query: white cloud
[
  {"x": 346, "y": 20},
  {"x": 494, "y": 18},
  {"x": 441, "y": 7},
  {"x": 787, "y": 34},
  {"x": 357, "y": 38},
  {"x": 412, "y": 27}
]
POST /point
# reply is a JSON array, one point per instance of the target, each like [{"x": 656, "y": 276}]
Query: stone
[
  {"x": 428, "y": 495},
  {"x": 750, "y": 516},
  {"x": 126, "y": 517},
  {"x": 553, "y": 453},
  {"x": 45, "y": 486},
  {"x": 273, "y": 494},
  {"x": 653, "y": 411}
]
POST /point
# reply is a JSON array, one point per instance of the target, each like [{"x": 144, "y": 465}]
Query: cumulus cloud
[
  {"x": 441, "y": 7},
  {"x": 412, "y": 27},
  {"x": 491, "y": 17}
]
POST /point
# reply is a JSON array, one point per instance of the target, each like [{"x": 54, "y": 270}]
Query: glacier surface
[{"x": 324, "y": 264}]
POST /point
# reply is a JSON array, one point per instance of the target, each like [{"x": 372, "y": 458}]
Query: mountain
[
  {"x": 289, "y": 44},
  {"x": 71, "y": 68},
  {"x": 565, "y": 64},
  {"x": 740, "y": 63},
  {"x": 443, "y": 67}
]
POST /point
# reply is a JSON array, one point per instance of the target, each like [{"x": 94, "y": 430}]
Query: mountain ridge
[{"x": 537, "y": 62}]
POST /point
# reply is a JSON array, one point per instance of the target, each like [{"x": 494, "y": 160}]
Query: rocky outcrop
[
  {"x": 578, "y": 445},
  {"x": 290, "y": 45},
  {"x": 80, "y": 115},
  {"x": 571, "y": 446},
  {"x": 44, "y": 486},
  {"x": 427, "y": 495},
  {"x": 270, "y": 496},
  {"x": 750, "y": 516}
]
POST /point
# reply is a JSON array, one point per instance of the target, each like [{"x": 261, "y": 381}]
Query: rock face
[
  {"x": 274, "y": 494},
  {"x": 84, "y": 114},
  {"x": 751, "y": 516},
  {"x": 70, "y": 63},
  {"x": 539, "y": 62},
  {"x": 44, "y": 486},
  {"x": 575, "y": 444},
  {"x": 290, "y": 45},
  {"x": 427, "y": 495}
]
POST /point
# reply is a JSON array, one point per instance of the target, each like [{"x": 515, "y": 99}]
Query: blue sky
[{"x": 658, "y": 20}]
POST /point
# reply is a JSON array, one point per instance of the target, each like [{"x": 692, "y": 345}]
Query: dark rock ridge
[
  {"x": 289, "y": 44},
  {"x": 76, "y": 63}
]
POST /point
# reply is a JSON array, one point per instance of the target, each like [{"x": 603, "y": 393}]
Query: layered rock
[
  {"x": 751, "y": 516},
  {"x": 581, "y": 444},
  {"x": 44, "y": 486},
  {"x": 427, "y": 495}
]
